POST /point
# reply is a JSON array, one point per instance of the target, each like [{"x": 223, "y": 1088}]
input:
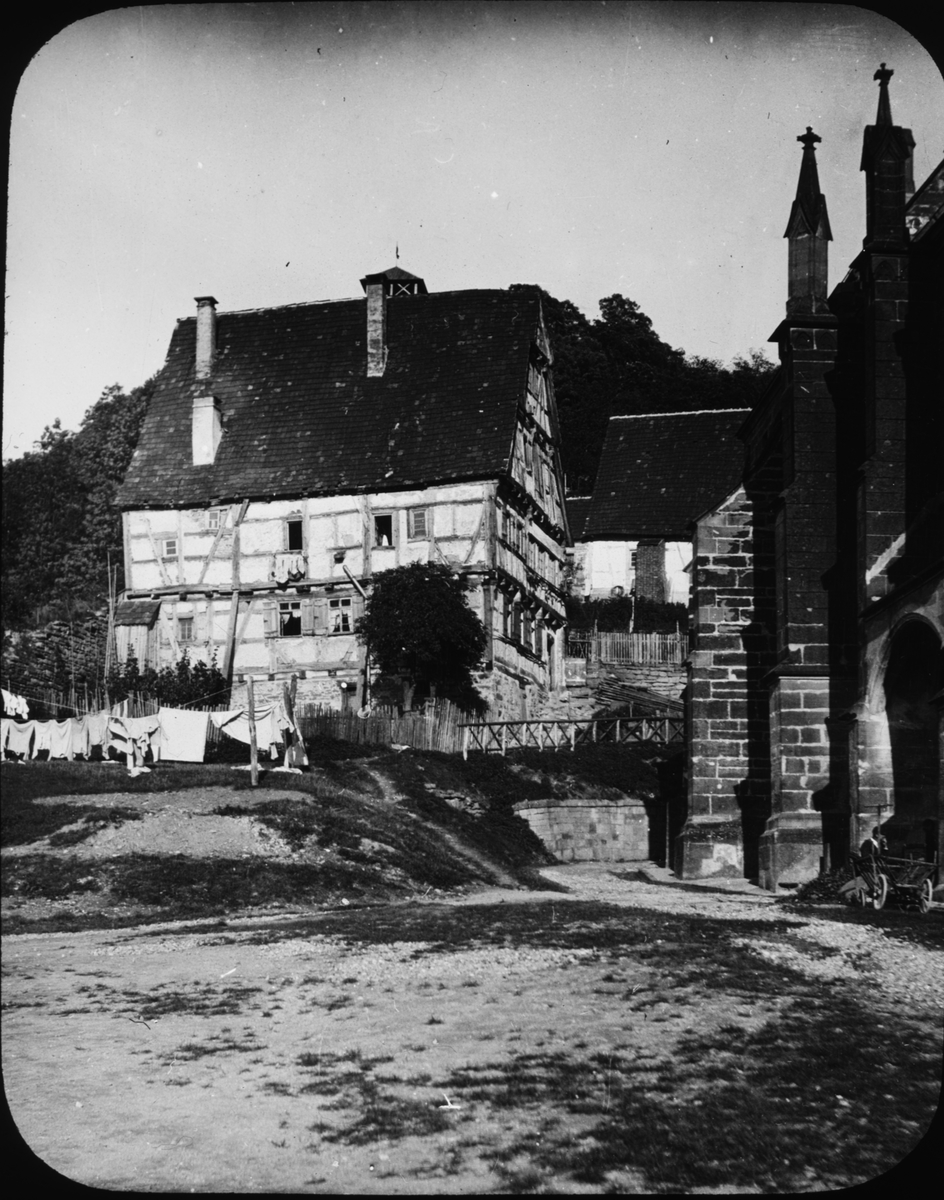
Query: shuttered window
[
  {"x": 290, "y": 618},
  {"x": 418, "y": 523},
  {"x": 341, "y": 615}
]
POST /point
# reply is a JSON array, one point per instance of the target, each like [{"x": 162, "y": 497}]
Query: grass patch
[
  {"x": 378, "y": 1112},
  {"x": 202, "y": 1000}
]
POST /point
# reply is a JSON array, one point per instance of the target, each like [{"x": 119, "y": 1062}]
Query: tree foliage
[
  {"x": 618, "y": 614},
  {"x": 618, "y": 365},
  {"x": 60, "y": 523},
  {"x": 418, "y": 626}
]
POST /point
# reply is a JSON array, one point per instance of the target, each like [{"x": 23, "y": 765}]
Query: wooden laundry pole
[{"x": 253, "y": 748}]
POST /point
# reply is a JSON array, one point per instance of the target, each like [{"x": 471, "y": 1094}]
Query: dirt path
[{"x": 622, "y": 1037}]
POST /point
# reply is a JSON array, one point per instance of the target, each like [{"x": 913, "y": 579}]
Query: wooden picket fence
[
  {"x": 642, "y": 649},
  {"x": 437, "y": 726}
]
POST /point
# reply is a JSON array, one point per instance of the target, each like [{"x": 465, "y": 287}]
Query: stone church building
[{"x": 818, "y": 581}]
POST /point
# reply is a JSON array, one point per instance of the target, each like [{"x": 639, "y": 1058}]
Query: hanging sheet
[{"x": 183, "y": 734}]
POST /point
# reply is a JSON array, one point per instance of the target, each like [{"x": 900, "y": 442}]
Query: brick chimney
[
  {"x": 380, "y": 289},
  {"x": 206, "y": 421},
  {"x": 206, "y": 335},
  {"x": 376, "y": 327}
]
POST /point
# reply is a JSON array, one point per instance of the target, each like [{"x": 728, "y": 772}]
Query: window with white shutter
[{"x": 418, "y": 523}]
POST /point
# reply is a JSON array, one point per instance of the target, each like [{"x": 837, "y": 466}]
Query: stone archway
[{"x": 913, "y": 677}]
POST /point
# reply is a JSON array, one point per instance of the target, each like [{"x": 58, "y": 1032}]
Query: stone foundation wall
[
  {"x": 589, "y": 830},
  {"x": 665, "y": 679}
]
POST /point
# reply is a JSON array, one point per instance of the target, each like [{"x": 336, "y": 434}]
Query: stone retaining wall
[{"x": 589, "y": 829}]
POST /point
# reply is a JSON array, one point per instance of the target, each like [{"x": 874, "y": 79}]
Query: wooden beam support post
[{"x": 253, "y": 748}]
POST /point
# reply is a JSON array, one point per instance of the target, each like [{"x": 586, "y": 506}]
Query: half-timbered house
[{"x": 290, "y": 454}]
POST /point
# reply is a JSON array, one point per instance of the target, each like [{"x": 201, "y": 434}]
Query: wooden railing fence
[{"x": 498, "y": 737}]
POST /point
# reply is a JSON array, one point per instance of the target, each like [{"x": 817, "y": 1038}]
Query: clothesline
[
  {"x": 52, "y": 703},
  {"x": 176, "y": 734}
]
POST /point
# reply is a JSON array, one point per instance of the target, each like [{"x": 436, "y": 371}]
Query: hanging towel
[
  {"x": 80, "y": 736},
  {"x": 183, "y": 734},
  {"x": 60, "y": 742},
  {"x": 43, "y": 739},
  {"x": 20, "y": 737},
  {"x": 4, "y": 733}
]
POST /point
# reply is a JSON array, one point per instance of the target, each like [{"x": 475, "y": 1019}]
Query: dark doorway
[{"x": 912, "y": 678}]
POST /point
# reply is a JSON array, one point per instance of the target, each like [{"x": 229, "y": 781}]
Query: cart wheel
[
  {"x": 880, "y": 894},
  {"x": 924, "y": 896}
]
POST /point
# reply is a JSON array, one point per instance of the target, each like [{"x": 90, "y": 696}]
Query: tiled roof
[
  {"x": 578, "y": 509},
  {"x": 658, "y": 472},
  {"x": 300, "y": 416},
  {"x": 137, "y": 612}
]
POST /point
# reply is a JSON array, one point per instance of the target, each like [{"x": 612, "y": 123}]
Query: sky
[{"x": 273, "y": 154}]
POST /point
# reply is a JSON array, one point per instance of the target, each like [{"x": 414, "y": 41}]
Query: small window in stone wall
[
  {"x": 169, "y": 547},
  {"x": 185, "y": 629},
  {"x": 216, "y": 518}
]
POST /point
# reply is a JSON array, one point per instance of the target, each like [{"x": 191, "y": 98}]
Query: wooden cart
[{"x": 903, "y": 881}]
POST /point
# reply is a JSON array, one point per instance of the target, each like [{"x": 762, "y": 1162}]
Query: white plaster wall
[
  {"x": 607, "y": 566},
  {"x": 678, "y": 556}
]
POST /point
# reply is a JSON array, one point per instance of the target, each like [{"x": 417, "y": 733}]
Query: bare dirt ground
[{"x": 622, "y": 1037}]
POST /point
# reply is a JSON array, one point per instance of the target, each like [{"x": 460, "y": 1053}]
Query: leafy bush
[{"x": 184, "y": 683}]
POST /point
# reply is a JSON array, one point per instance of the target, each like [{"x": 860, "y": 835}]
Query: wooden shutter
[
  {"x": 308, "y": 617},
  {"x": 270, "y": 617}
]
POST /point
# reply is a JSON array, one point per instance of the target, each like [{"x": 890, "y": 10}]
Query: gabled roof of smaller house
[
  {"x": 659, "y": 471},
  {"x": 137, "y": 612},
  {"x": 301, "y": 417},
  {"x": 578, "y": 509}
]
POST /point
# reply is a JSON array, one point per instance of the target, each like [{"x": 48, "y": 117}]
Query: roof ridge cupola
[
  {"x": 809, "y": 235},
  {"x": 380, "y": 288},
  {"x": 888, "y": 162}
]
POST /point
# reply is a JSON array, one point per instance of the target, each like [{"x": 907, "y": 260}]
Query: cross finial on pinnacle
[
  {"x": 883, "y": 74},
  {"x": 809, "y": 139}
]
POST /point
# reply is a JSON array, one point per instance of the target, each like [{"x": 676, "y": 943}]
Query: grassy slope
[{"x": 363, "y": 826}]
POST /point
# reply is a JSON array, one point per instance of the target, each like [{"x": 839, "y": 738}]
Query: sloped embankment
[{"x": 85, "y": 846}]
